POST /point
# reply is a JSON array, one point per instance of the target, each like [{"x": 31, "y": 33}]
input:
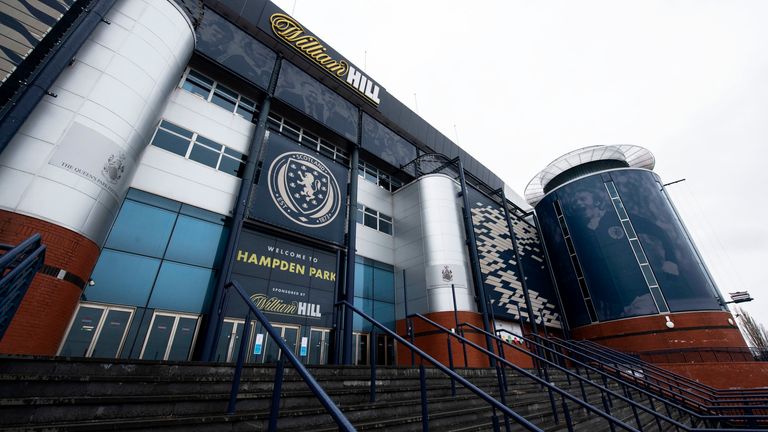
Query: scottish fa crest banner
[{"x": 301, "y": 190}]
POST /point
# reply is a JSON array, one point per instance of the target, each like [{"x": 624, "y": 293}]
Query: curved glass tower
[{"x": 623, "y": 262}]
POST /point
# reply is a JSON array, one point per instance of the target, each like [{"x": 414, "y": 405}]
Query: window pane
[
  {"x": 225, "y": 92},
  {"x": 646, "y": 268},
  {"x": 172, "y": 143},
  {"x": 182, "y": 340},
  {"x": 245, "y": 111},
  {"x": 122, "y": 278},
  {"x": 225, "y": 337},
  {"x": 628, "y": 229},
  {"x": 612, "y": 190},
  {"x": 82, "y": 332},
  {"x": 234, "y": 153},
  {"x": 141, "y": 229},
  {"x": 182, "y": 287},
  {"x": 638, "y": 251},
  {"x": 620, "y": 210},
  {"x": 370, "y": 220},
  {"x": 176, "y": 129},
  {"x": 196, "y": 88},
  {"x": 196, "y": 242},
  {"x": 385, "y": 227},
  {"x": 111, "y": 334},
  {"x": 197, "y": 76},
  {"x": 231, "y": 166},
  {"x": 383, "y": 285},
  {"x": 659, "y": 299},
  {"x": 159, "y": 335},
  {"x": 205, "y": 156},
  {"x": 209, "y": 143},
  {"x": 225, "y": 103}
]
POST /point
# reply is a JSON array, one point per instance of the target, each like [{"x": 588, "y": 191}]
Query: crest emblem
[
  {"x": 304, "y": 189},
  {"x": 114, "y": 168},
  {"x": 447, "y": 274}
]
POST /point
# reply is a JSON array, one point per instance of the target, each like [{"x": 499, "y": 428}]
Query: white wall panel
[{"x": 109, "y": 102}]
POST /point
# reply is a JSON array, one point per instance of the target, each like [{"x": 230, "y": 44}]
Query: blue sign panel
[{"x": 301, "y": 190}]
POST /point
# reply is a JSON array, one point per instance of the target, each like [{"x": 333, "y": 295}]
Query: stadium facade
[{"x": 185, "y": 144}]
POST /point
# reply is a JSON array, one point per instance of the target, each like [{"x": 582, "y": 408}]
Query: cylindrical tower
[
  {"x": 626, "y": 268},
  {"x": 67, "y": 170}
]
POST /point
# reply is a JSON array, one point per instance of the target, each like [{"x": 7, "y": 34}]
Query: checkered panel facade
[{"x": 501, "y": 270}]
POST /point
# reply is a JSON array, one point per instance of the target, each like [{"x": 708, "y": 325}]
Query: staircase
[{"x": 87, "y": 395}]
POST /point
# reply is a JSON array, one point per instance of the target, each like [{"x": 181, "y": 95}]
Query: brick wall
[
  {"x": 642, "y": 334},
  {"x": 47, "y": 308}
]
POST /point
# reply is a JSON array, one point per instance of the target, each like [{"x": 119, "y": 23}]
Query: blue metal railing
[
  {"x": 733, "y": 407},
  {"x": 552, "y": 349},
  {"x": 666, "y": 377},
  {"x": 341, "y": 420},
  {"x": 551, "y": 388},
  {"x": 18, "y": 266},
  {"x": 495, "y": 404}
]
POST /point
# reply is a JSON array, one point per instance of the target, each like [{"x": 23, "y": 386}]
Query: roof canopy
[{"x": 634, "y": 156}]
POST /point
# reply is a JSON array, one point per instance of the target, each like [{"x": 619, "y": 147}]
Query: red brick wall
[
  {"x": 436, "y": 345},
  {"x": 723, "y": 375},
  {"x": 642, "y": 334},
  {"x": 47, "y": 308}
]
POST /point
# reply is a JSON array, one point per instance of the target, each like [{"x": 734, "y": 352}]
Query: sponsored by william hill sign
[{"x": 294, "y": 35}]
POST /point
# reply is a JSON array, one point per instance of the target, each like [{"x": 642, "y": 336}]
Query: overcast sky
[{"x": 519, "y": 83}]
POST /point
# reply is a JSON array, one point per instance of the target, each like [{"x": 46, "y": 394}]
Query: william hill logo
[{"x": 292, "y": 33}]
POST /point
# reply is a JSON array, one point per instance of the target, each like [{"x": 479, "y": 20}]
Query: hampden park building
[{"x": 164, "y": 148}]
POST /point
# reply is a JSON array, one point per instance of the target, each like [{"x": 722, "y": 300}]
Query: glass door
[
  {"x": 170, "y": 337},
  {"x": 318, "y": 346},
  {"x": 360, "y": 341},
  {"x": 229, "y": 340},
  {"x": 97, "y": 331},
  {"x": 271, "y": 354}
]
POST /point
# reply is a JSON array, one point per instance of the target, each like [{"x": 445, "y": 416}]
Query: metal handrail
[
  {"x": 341, "y": 420},
  {"x": 618, "y": 378},
  {"x": 585, "y": 404},
  {"x": 621, "y": 370},
  {"x": 760, "y": 392},
  {"x": 670, "y": 379},
  {"x": 18, "y": 266},
  {"x": 705, "y": 418},
  {"x": 439, "y": 366}
]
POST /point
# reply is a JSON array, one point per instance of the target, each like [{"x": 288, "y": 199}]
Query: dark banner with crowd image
[
  {"x": 300, "y": 190},
  {"x": 500, "y": 267},
  {"x": 290, "y": 282}
]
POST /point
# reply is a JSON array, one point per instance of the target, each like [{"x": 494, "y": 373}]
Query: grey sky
[{"x": 526, "y": 81}]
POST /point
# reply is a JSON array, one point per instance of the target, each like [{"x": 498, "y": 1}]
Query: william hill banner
[
  {"x": 290, "y": 282},
  {"x": 301, "y": 190}
]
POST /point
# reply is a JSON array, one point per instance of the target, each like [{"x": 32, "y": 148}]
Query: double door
[{"x": 311, "y": 349}]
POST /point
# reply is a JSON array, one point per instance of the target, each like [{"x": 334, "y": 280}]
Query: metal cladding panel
[
  {"x": 225, "y": 43},
  {"x": 290, "y": 282},
  {"x": 301, "y": 190},
  {"x": 501, "y": 273},
  {"x": 319, "y": 102},
  {"x": 385, "y": 144},
  {"x": 73, "y": 159},
  {"x": 670, "y": 251},
  {"x": 431, "y": 246}
]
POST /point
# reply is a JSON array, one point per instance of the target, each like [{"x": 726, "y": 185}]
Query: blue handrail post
[
  {"x": 372, "y": 357},
  {"x": 424, "y": 410},
  {"x": 240, "y": 361},
  {"x": 458, "y": 327},
  {"x": 450, "y": 362},
  {"x": 277, "y": 388}
]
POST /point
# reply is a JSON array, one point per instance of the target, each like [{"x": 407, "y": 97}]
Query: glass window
[
  {"x": 122, "y": 278},
  {"x": 612, "y": 190},
  {"x": 176, "y": 129},
  {"x": 383, "y": 285},
  {"x": 231, "y": 166},
  {"x": 182, "y": 287},
  {"x": 198, "y": 84},
  {"x": 224, "y": 98},
  {"x": 628, "y": 229},
  {"x": 648, "y": 273},
  {"x": 173, "y": 143},
  {"x": 111, "y": 335},
  {"x": 370, "y": 219},
  {"x": 141, "y": 229},
  {"x": 205, "y": 156}
]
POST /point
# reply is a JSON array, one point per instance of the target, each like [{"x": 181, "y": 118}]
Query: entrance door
[
  {"x": 229, "y": 340},
  {"x": 318, "y": 346},
  {"x": 271, "y": 351},
  {"x": 97, "y": 331},
  {"x": 170, "y": 337}
]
